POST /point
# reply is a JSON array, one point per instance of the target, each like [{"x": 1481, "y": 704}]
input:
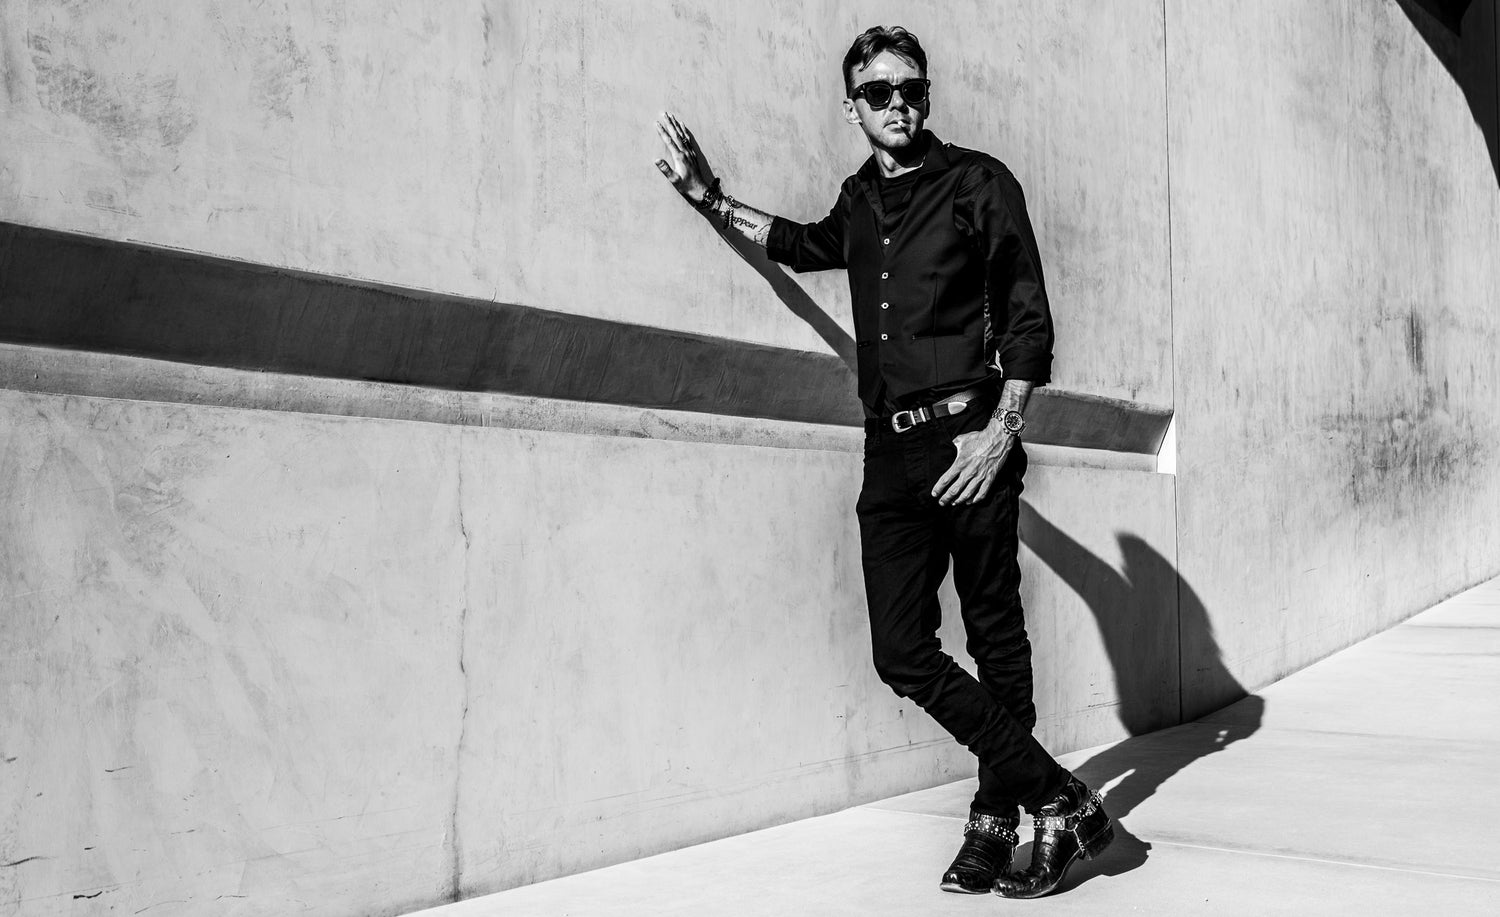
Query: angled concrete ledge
[
  {"x": 76, "y": 292},
  {"x": 1080, "y": 421},
  {"x": 88, "y": 374}
]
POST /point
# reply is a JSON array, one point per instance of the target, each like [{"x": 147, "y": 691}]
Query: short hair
[{"x": 873, "y": 41}]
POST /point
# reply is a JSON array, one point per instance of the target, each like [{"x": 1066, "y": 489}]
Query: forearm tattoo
[
  {"x": 747, "y": 221},
  {"x": 1013, "y": 397}
]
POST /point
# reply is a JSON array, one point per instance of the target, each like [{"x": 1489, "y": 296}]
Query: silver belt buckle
[{"x": 901, "y": 421}]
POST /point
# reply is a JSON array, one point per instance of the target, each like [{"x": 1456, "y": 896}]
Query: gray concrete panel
[
  {"x": 231, "y": 646},
  {"x": 374, "y": 663},
  {"x": 1334, "y": 229}
]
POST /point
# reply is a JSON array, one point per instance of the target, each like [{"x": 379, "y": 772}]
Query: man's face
[{"x": 898, "y": 124}]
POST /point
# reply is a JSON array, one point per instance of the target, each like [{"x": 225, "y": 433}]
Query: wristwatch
[{"x": 1013, "y": 422}]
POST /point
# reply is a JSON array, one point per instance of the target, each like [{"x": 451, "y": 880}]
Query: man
[{"x": 953, "y": 331}]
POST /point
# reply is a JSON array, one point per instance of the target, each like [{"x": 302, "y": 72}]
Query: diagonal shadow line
[
  {"x": 792, "y": 295},
  {"x": 1128, "y": 607},
  {"x": 789, "y": 291},
  {"x": 1463, "y": 35}
]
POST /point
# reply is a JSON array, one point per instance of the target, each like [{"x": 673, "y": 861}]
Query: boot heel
[{"x": 1098, "y": 842}]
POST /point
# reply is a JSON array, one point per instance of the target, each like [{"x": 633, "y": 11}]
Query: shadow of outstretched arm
[
  {"x": 1134, "y": 611},
  {"x": 1095, "y": 581},
  {"x": 791, "y": 294},
  {"x": 786, "y": 289}
]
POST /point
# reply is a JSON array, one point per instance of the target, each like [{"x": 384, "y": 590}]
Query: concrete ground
[{"x": 1364, "y": 784}]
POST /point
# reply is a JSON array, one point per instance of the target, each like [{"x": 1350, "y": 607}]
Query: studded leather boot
[
  {"x": 1072, "y": 825},
  {"x": 989, "y": 841}
]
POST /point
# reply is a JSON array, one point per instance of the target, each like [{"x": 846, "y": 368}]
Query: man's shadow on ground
[{"x": 1127, "y": 605}]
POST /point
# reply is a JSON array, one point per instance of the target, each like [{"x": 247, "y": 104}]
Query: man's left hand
[{"x": 981, "y": 455}]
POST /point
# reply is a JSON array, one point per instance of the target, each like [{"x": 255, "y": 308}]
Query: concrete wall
[
  {"x": 1335, "y": 224},
  {"x": 262, "y": 662},
  {"x": 266, "y": 655}
]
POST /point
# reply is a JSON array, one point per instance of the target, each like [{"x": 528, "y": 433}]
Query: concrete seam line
[{"x": 1311, "y": 859}]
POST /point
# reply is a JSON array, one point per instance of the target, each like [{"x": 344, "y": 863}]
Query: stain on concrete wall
[
  {"x": 281, "y": 71},
  {"x": 136, "y": 116}
]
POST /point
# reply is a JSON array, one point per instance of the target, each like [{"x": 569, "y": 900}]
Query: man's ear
[{"x": 850, "y": 114}]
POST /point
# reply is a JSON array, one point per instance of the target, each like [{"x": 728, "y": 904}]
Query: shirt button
[
  {"x": 885, "y": 337},
  {"x": 886, "y": 241},
  {"x": 886, "y": 276},
  {"x": 885, "y": 305}
]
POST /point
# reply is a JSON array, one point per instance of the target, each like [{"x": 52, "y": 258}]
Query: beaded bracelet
[{"x": 711, "y": 197}]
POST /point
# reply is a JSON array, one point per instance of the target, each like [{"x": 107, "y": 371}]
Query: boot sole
[{"x": 961, "y": 890}]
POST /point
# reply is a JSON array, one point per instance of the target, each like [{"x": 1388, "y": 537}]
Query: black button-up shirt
[{"x": 948, "y": 293}]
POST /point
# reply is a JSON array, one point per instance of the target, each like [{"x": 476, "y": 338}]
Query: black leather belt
[{"x": 901, "y": 421}]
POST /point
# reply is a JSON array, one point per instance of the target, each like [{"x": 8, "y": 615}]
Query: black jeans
[{"x": 907, "y": 540}]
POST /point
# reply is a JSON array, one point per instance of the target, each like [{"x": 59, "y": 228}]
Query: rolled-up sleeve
[
  {"x": 1016, "y": 294},
  {"x": 811, "y": 246}
]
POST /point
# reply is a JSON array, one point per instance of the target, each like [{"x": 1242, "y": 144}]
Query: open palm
[{"x": 684, "y": 164}]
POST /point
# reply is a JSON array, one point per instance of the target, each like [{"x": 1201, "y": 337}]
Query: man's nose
[{"x": 898, "y": 101}]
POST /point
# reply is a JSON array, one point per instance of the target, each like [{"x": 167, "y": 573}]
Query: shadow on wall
[
  {"x": 1126, "y": 606},
  {"x": 789, "y": 291},
  {"x": 1464, "y": 34},
  {"x": 795, "y": 298}
]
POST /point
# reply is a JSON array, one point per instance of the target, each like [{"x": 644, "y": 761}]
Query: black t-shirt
[{"x": 895, "y": 195}]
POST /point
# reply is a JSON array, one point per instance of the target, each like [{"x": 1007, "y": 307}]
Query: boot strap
[
  {"x": 992, "y": 826},
  {"x": 1070, "y": 822}
]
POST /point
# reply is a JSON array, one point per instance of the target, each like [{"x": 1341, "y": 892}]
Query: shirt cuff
[
  {"x": 1025, "y": 366},
  {"x": 780, "y": 240}
]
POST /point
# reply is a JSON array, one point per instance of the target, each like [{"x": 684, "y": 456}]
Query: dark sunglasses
[{"x": 878, "y": 92}]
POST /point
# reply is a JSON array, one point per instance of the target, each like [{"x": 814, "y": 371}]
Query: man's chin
[{"x": 899, "y": 139}]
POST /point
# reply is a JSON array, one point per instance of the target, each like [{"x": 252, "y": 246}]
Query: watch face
[{"x": 1013, "y": 421}]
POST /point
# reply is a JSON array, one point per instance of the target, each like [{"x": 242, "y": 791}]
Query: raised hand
[{"x": 683, "y": 165}]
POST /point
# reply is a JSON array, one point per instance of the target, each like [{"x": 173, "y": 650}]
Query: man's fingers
[
  {"x": 945, "y": 480},
  {"x": 975, "y": 491},
  {"x": 670, "y": 140},
  {"x": 955, "y": 486},
  {"x": 679, "y": 134},
  {"x": 665, "y": 169},
  {"x": 685, "y": 138},
  {"x": 966, "y": 492},
  {"x": 665, "y": 133},
  {"x": 984, "y": 491}
]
